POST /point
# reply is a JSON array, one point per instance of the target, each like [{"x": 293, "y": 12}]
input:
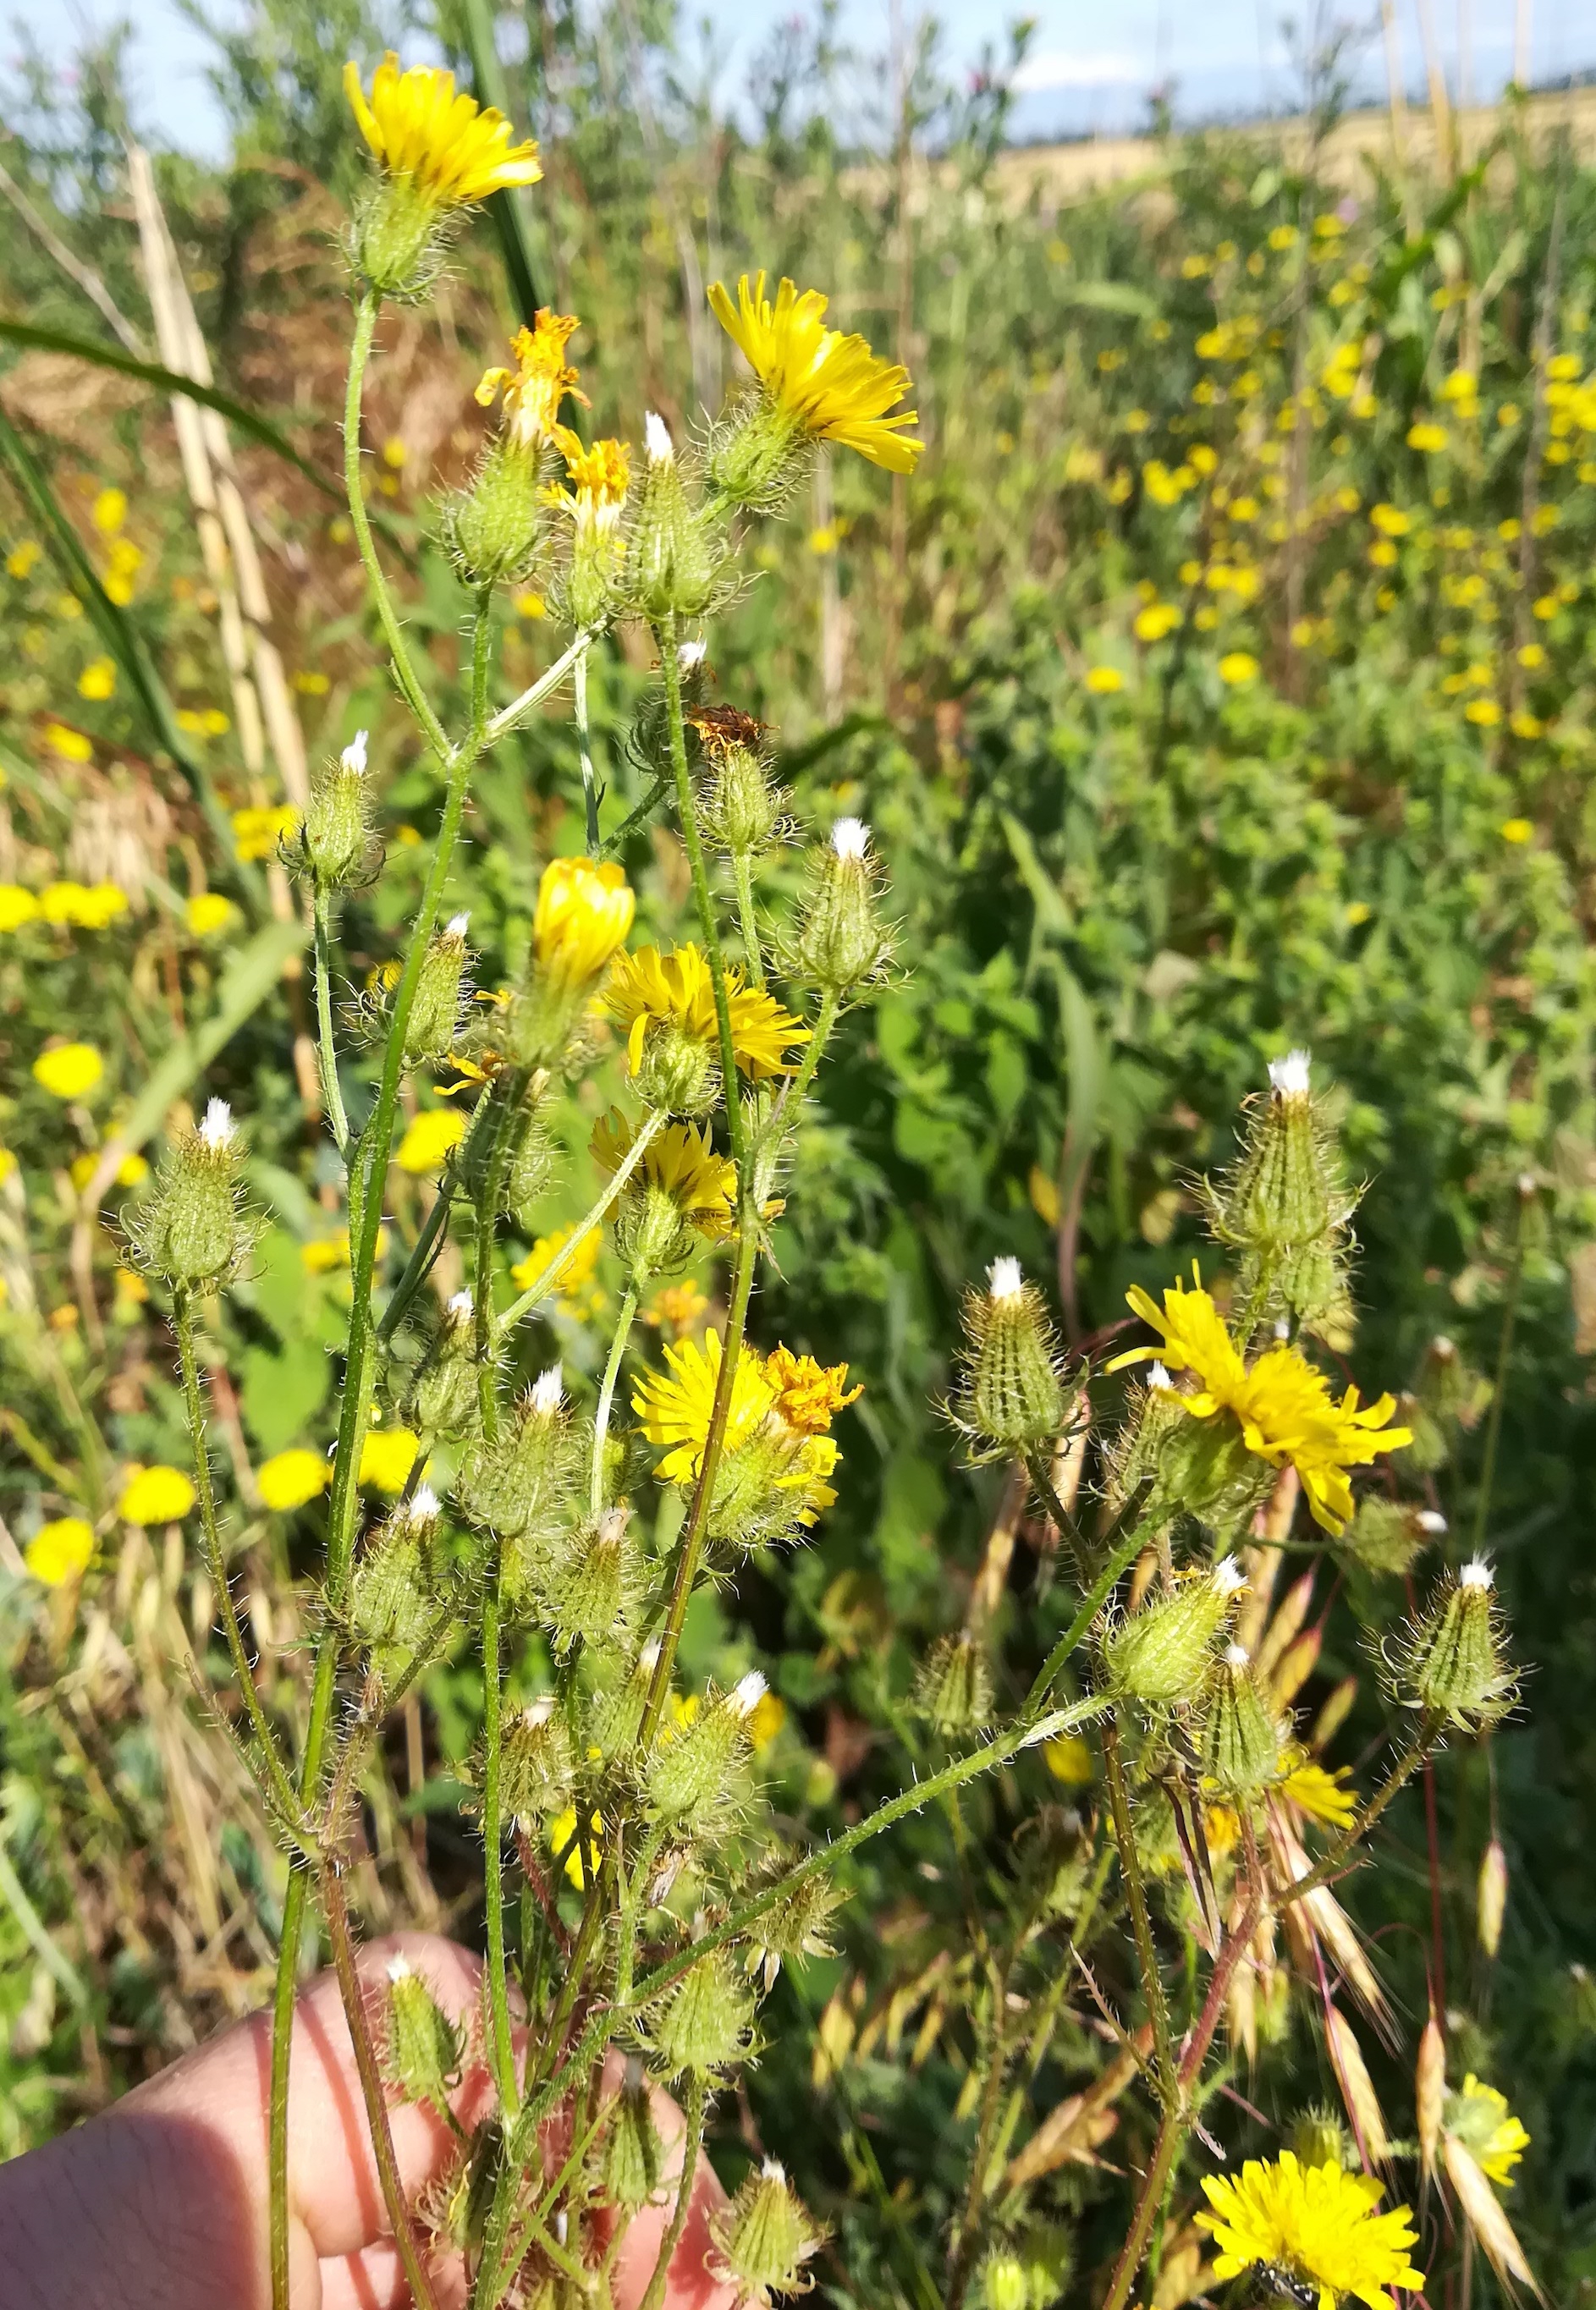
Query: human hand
[{"x": 162, "y": 2204}]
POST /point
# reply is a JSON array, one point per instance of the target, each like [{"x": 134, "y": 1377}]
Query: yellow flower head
[
  {"x": 1320, "y": 1795},
  {"x": 428, "y": 1139},
  {"x": 649, "y": 988},
  {"x": 676, "y": 1309},
  {"x": 159, "y": 1495},
  {"x": 288, "y": 1479},
  {"x": 1282, "y": 1405},
  {"x": 208, "y": 912},
  {"x": 562, "y": 1831},
  {"x": 1487, "y": 2129},
  {"x": 448, "y": 149},
  {"x": 257, "y": 832},
  {"x": 682, "y": 1161},
  {"x": 1237, "y": 668},
  {"x": 59, "y": 1551},
  {"x": 674, "y": 1406},
  {"x": 387, "y": 1456},
  {"x": 69, "y": 1071},
  {"x": 537, "y": 385},
  {"x": 84, "y": 906},
  {"x": 584, "y": 914},
  {"x": 828, "y": 386},
  {"x": 1317, "y": 2222},
  {"x": 809, "y": 1395},
  {"x": 18, "y": 906},
  {"x": 576, "y": 1276},
  {"x": 599, "y": 478}
]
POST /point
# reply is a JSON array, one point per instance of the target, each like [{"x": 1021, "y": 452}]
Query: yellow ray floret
[
  {"x": 1319, "y": 1794},
  {"x": 1487, "y": 2129},
  {"x": 809, "y": 1395},
  {"x": 537, "y": 385},
  {"x": 599, "y": 478},
  {"x": 1281, "y": 1403},
  {"x": 584, "y": 912},
  {"x": 682, "y": 1161},
  {"x": 649, "y": 988},
  {"x": 830, "y": 386},
  {"x": 1317, "y": 2222},
  {"x": 452, "y": 152},
  {"x": 675, "y": 1406}
]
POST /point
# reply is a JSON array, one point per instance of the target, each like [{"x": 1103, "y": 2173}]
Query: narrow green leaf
[
  {"x": 105, "y": 356},
  {"x": 245, "y": 984},
  {"x": 518, "y": 237},
  {"x": 124, "y": 641}
]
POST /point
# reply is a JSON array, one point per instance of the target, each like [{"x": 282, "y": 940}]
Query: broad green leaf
[{"x": 283, "y": 1393}]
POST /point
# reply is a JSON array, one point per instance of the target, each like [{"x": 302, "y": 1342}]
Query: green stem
[
  {"x": 601, "y": 1427},
  {"x": 503, "y": 2051},
  {"x": 969, "y": 2220},
  {"x": 282, "y": 1794},
  {"x": 688, "y": 815},
  {"x": 589, "y": 782},
  {"x": 1124, "y": 1555},
  {"x": 507, "y": 1096},
  {"x": 545, "y": 1283},
  {"x": 509, "y": 716},
  {"x": 332, "y": 1094},
  {"x": 743, "y": 873},
  {"x": 418, "y": 1266},
  {"x": 1401, "y": 1772},
  {"x": 1147, "y": 1955},
  {"x": 692, "y": 2142}
]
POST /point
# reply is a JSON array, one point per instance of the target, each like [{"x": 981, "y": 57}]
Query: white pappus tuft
[
  {"x": 353, "y": 757},
  {"x": 1475, "y": 1574},
  {"x": 1236, "y": 1656},
  {"x": 1005, "y": 1278},
  {"x": 216, "y": 1132},
  {"x": 462, "y": 1307},
  {"x": 747, "y": 1692},
  {"x": 1432, "y": 1521},
  {"x": 692, "y": 655},
  {"x": 850, "y": 837},
  {"x": 1290, "y": 1075},
  {"x": 1228, "y": 1576},
  {"x": 423, "y": 1506},
  {"x": 773, "y": 2170},
  {"x": 539, "y": 1711},
  {"x": 457, "y": 927},
  {"x": 548, "y": 1392},
  {"x": 399, "y": 1968},
  {"x": 1157, "y": 1375},
  {"x": 657, "y": 437}
]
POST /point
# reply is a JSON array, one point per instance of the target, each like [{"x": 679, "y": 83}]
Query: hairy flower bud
[
  {"x": 677, "y": 1071},
  {"x": 335, "y": 834},
  {"x": 953, "y": 1686},
  {"x": 435, "y": 1010},
  {"x": 537, "y": 1765},
  {"x": 1490, "y": 1900},
  {"x": 765, "y": 2236},
  {"x": 740, "y": 804},
  {"x": 674, "y": 556},
  {"x": 1010, "y": 1399},
  {"x": 442, "y": 1399},
  {"x": 1319, "y": 2138},
  {"x": 1448, "y": 1661},
  {"x": 690, "y": 1775},
  {"x": 794, "y": 1926},
  {"x": 587, "y": 1590},
  {"x": 401, "y": 1582},
  {"x": 1003, "y": 2283},
  {"x": 703, "y": 2023},
  {"x": 423, "y": 2046},
  {"x": 518, "y": 1480},
  {"x": 189, "y": 1228},
  {"x": 634, "y": 2154},
  {"x": 617, "y": 1713},
  {"x": 1160, "y": 1654},
  {"x": 1241, "y": 1736},
  {"x": 1285, "y": 1206},
  {"x": 1387, "y": 1537},
  {"x": 491, "y": 527},
  {"x": 841, "y": 941}
]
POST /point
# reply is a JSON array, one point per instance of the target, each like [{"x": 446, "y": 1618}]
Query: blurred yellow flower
[
  {"x": 208, "y": 912},
  {"x": 23, "y": 559},
  {"x": 60, "y": 1550},
  {"x": 830, "y": 386},
  {"x": 1069, "y": 1759},
  {"x": 1390, "y": 520},
  {"x": 1532, "y": 657},
  {"x": 530, "y": 604},
  {"x": 1479, "y": 2117},
  {"x": 1158, "y": 620},
  {"x": 562, "y": 1829},
  {"x": 70, "y": 745},
  {"x": 386, "y": 1458},
  {"x": 678, "y": 1307},
  {"x": 1483, "y": 711},
  {"x": 288, "y": 1479},
  {"x": 1103, "y": 681},
  {"x": 257, "y": 832},
  {"x": 1320, "y": 1795},
  {"x": 1237, "y": 668},
  {"x": 88, "y": 906},
  {"x": 1517, "y": 830},
  {"x": 575, "y": 1276},
  {"x": 311, "y": 684},
  {"x": 448, "y": 152},
  {"x": 158, "y": 1495},
  {"x": 17, "y": 907},
  {"x": 97, "y": 678},
  {"x": 68, "y": 1070},
  {"x": 429, "y": 1138},
  {"x": 109, "y": 512},
  {"x": 129, "y": 1171},
  {"x": 771, "y": 1714},
  {"x": 1525, "y": 725}
]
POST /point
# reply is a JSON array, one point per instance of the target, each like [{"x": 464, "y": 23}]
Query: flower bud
[
  {"x": 617, "y": 1713},
  {"x": 703, "y": 2023},
  {"x": 586, "y": 1593},
  {"x": 1011, "y": 1400},
  {"x": 1429, "y": 2092},
  {"x": 518, "y": 1480},
  {"x": 336, "y": 834},
  {"x": 537, "y": 1766},
  {"x": 435, "y": 1008},
  {"x": 491, "y": 527},
  {"x": 1003, "y": 2284},
  {"x": 673, "y": 558},
  {"x": 1387, "y": 1537},
  {"x": 1160, "y": 1656},
  {"x": 1241, "y": 1736},
  {"x": 765, "y": 2236},
  {"x": 677, "y": 1071},
  {"x": 189, "y": 1228},
  {"x": 841, "y": 941},
  {"x": 1284, "y": 1203},
  {"x": 794, "y": 1926},
  {"x": 1319, "y": 2138},
  {"x": 1490, "y": 1903},
  {"x": 397, "y": 239},
  {"x": 443, "y": 1399},
  {"x": 400, "y": 1582},
  {"x": 634, "y": 2154},
  {"x": 1449, "y": 1661},
  {"x": 953, "y": 1687},
  {"x": 690, "y": 1775},
  {"x": 741, "y": 805},
  {"x": 424, "y": 2047}
]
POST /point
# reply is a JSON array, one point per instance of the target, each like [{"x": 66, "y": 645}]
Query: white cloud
[{"x": 1053, "y": 68}]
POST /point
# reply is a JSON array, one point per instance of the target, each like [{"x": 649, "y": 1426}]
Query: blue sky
[{"x": 1089, "y": 71}]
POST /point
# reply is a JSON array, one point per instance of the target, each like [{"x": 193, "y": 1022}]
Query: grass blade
[{"x": 510, "y": 210}]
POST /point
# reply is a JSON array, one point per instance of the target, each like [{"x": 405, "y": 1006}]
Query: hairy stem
[
  {"x": 535, "y": 1293},
  {"x": 1147, "y": 1955},
  {"x": 590, "y": 797},
  {"x": 686, "y": 813},
  {"x": 332, "y": 1095},
  {"x": 748, "y": 920},
  {"x": 601, "y": 1427},
  {"x": 499, "y": 2002},
  {"x": 1124, "y": 1555},
  {"x": 692, "y": 2142}
]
